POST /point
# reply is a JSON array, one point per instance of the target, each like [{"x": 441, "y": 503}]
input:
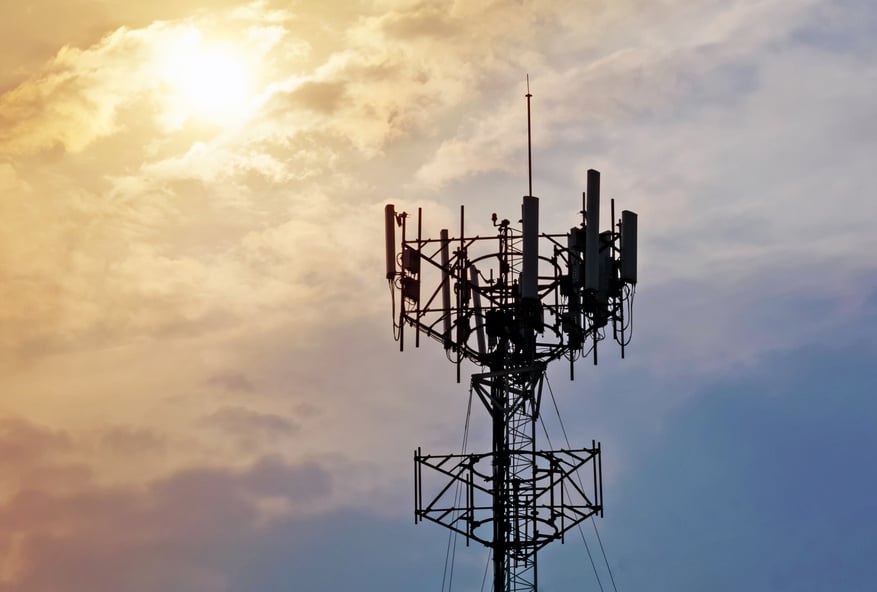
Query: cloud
[
  {"x": 319, "y": 96},
  {"x": 181, "y": 529},
  {"x": 73, "y": 102},
  {"x": 182, "y": 301},
  {"x": 59, "y": 527},
  {"x": 232, "y": 382},
  {"x": 215, "y": 205},
  {"x": 625, "y": 83},
  {"x": 38, "y": 457},
  {"x": 251, "y": 428},
  {"x": 23, "y": 443},
  {"x": 84, "y": 95},
  {"x": 131, "y": 442}
]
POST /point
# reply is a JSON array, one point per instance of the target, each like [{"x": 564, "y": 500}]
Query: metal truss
[
  {"x": 553, "y": 501},
  {"x": 512, "y": 303}
]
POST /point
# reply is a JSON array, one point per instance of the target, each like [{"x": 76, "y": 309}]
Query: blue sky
[{"x": 199, "y": 389}]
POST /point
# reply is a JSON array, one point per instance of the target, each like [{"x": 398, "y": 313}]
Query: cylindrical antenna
[
  {"x": 529, "y": 141},
  {"x": 446, "y": 286},
  {"x": 419, "y": 258},
  {"x": 628, "y": 247},
  {"x": 530, "y": 248},
  {"x": 390, "y": 239},
  {"x": 592, "y": 231},
  {"x": 477, "y": 310}
]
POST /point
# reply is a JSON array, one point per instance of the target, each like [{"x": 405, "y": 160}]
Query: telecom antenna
[
  {"x": 512, "y": 303},
  {"x": 529, "y": 142}
]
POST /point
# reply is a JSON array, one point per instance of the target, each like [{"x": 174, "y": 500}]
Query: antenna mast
[
  {"x": 499, "y": 303},
  {"x": 529, "y": 141}
]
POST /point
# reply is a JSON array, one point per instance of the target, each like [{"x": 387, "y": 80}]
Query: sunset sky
[{"x": 199, "y": 387}]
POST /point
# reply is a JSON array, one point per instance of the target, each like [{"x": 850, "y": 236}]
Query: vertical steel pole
[{"x": 500, "y": 462}]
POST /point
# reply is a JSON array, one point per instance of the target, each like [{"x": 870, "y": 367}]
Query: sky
[{"x": 199, "y": 387}]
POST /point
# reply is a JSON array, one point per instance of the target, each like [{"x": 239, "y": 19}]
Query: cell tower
[{"x": 512, "y": 303}]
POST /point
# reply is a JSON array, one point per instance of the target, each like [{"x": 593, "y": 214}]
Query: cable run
[
  {"x": 588, "y": 549},
  {"x": 451, "y": 550},
  {"x": 487, "y": 569},
  {"x": 609, "y": 569},
  {"x": 581, "y": 532},
  {"x": 593, "y": 522},
  {"x": 396, "y": 328}
]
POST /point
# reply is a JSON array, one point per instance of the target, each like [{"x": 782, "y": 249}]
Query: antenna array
[{"x": 512, "y": 303}]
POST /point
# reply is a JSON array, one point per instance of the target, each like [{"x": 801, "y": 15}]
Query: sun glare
[{"x": 211, "y": 83}]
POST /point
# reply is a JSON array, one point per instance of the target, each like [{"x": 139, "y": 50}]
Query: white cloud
[{"x": 146, "y": 257}]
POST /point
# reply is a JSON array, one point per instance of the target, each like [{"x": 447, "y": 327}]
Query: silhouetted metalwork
[{"x": 512, "y": 303}]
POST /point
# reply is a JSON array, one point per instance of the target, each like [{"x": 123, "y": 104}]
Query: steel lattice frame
[{"x": 516, "y": 498}]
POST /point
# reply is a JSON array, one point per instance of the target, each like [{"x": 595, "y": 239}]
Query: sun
[
  {"x": 207, "y": 82},
  {"x": 212, "y": 80}
]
